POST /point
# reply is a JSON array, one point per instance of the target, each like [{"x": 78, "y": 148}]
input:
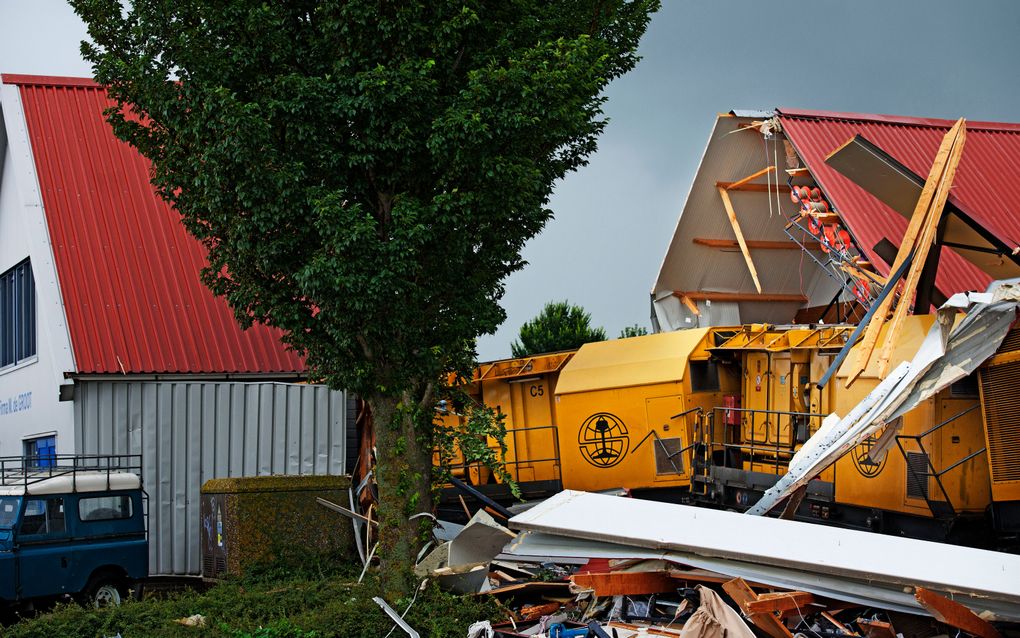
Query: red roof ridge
[
  {"x": 896, "y": 119},
  {"x": 47, "y": 80}
]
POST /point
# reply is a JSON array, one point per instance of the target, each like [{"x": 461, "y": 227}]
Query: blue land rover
[{"x": 74, "y": 527}]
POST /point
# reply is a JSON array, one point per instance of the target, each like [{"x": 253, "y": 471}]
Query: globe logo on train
[
  {"x": 603, "y": 439},
  {"x": 861, "y": 455}
]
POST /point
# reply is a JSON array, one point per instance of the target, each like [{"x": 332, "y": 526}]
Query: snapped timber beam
[
  {"x": 922, "y": 226},
  {"x": 781, "y": 602},
  {"x": 954, "y": 614},
  {"x": 927, "y": 239},
  {"x": 743, "y": 595}
]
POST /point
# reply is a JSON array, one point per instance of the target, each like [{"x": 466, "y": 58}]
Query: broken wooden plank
[
  {"x": 793, "y": 502},
  {"x": 780, "y": 602},
  {"x": 876, "y": 628},
  {"x": 753, "y": 176},
  {"x": 954, "y": 614},
  {"x": 732, "y": 215},
  {"x": 907, "y": 247},
  {"x": 693, "y": 307},
  {"x": 924, "y": 245},
  {"x": 742, "y": 594},
  {"x": 838, "y": 626},
  {"x": 626, "y": 583},
  {"x": 534, "y": 612}
]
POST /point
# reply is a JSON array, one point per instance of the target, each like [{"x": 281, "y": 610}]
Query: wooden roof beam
[
  {"x": 732, "y": 215},
  {"x": 751, "y": 243},
  {"x": 753, "y": 187},
  {"x": 709, "y": 295}
]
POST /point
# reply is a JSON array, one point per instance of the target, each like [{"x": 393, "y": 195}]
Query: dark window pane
[{"x": 17, "y": 314}]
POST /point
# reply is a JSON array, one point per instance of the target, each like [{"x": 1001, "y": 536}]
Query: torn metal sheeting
[
  {"x": 944, "y": 357},
  {"x": 462, "y": 564},
  {"x": 446, "y": 531},
  {"x": 482, "y": 539},
  {"x": 847, "y": 554}
]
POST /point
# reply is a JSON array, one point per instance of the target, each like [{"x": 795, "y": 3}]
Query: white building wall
[{"x": 29, "y": 390}]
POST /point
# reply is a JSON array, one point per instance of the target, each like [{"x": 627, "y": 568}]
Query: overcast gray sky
[{"x": 615, "y": 217}]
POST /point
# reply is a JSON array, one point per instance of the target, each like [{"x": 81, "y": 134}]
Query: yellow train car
[
  {"x": 714, "y": 415},
  {"x": 935, "y": 466},
  {"x": 627, "y": 410},
  {"x": 523, "y": 391}
]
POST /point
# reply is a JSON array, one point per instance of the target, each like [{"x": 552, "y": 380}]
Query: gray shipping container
[{"x": 189, "y": 432}]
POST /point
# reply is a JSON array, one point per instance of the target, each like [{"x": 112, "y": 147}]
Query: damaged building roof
[{"x": 742, "y": 252}]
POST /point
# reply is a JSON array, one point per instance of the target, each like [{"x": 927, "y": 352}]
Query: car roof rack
[{"x": 24, "y": 471}]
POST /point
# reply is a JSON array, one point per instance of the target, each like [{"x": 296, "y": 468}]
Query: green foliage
[
  {"x": 478, "y": 436},
  {"x": 363, "y": 175},
  {"x": 255, "y": 608},
  {"x": 633, "y": 331},
  {"x": 560, "y": 326}
]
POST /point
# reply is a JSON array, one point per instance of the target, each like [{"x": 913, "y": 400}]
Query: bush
[{"x": 321, "y": 607}]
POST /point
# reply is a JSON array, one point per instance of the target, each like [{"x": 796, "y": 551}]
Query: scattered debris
[
  {"x": 462, "y": 565},
  {"x": 590, "y": 565},
  {"x": 195, "y": 620},
  {"x": 397, "y": 618}
]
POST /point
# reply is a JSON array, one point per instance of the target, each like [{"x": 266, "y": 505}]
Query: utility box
[{"x": 256, "y": 520}]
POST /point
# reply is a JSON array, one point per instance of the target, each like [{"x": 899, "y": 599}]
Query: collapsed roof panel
[
  {"x": 987, "y": 185},
  {"x": 986, "y": 580}
]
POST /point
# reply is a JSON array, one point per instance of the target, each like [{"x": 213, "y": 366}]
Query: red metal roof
[
  {"x": 128, "y": 270},
  {"x": 986, "y": 187}
]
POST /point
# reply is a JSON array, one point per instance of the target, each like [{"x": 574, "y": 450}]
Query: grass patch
[{"x": 306, "y": 605}]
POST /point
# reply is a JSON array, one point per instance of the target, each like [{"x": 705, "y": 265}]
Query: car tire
[{"x": 105, "y": 591}]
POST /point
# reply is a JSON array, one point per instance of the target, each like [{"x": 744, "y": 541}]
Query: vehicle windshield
[{"x": 9, "y": 506}]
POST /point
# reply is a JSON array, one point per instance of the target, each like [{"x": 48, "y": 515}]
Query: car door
[{"x": 42, "y": 548}]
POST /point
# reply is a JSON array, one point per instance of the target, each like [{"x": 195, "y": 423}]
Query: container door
[
  {"x": 756, "y": 397},
  {"x": 782, "y": 382},
  {"x": 532, "y": 438}
]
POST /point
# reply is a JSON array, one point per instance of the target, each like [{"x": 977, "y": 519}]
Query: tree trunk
[{"x": 404, "y": 475}]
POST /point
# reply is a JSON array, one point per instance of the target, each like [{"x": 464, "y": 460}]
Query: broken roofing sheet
[
  {"x": 941, "y": 360},
  {"x": 880, "y": 568}
]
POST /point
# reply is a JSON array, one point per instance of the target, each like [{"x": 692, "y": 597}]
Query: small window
[
  {"x": 17, "y": 314},
  {"x": 41, "y": 452},
  {"x": 9, "y": 506},
  {"x": 104, "y": 508},
  {"x": 43, "y": 516},
  {"x": 704, "y": 376}
]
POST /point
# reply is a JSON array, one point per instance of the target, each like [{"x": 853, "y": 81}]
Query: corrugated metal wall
[{"x": 189, "y": 432}]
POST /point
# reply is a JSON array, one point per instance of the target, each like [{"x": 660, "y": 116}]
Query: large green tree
[
  {"x": 560, "y": 326},
  {"x": 364, "y": 174}
]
